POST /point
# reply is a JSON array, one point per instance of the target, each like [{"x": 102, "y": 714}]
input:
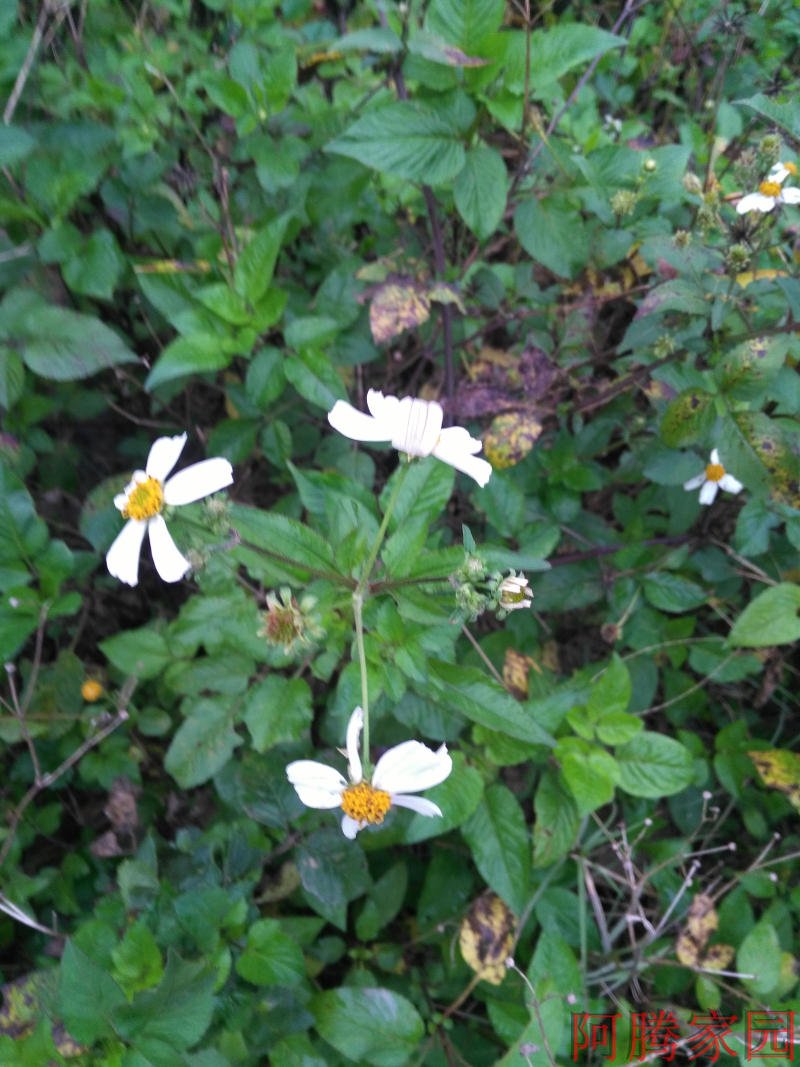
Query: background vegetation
[{"x": 220, "y": 216}]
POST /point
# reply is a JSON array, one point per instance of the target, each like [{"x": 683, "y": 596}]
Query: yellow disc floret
[
  {"x": 770, "y": 188},
  {"x": 791, "y": 167},
  {"x": 365, "y": 804},
  {"x": 91, "y": 690},
  {"x": 145, "y": 500},
  {"x": 715, "y": 472}
]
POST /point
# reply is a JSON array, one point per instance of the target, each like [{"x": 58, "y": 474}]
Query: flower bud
[
  {"x": 623, "y": 202},
  {"x": 692, "y": 183},
  {"x": 515, "y": 593}
]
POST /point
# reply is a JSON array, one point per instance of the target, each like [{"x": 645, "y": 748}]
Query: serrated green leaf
[
  {"x": 270, "y": 957},
  {"x": 380, "y": 39},
  {"x": 405, "y": 140},
  {"x": 88, "y": 996},
  {"x": 783, "y": 113},
  {"x": 202, "y": 744},
  {"x": 589, "y": 771},
  {"x": 314, "y": 377},
  {"x": 286, "y": 537},
  {"x": 465, "y": 23},
  {"x": 62, "y": 345},
  {"x": 612, "y": 691},
  {"x": 654, "y": 765},
  {"x": 277, "y": 709},
  {"x": 368, "y": 1026},
  {"x": 142, "y": 652},
  {"x": 773, "y": 618},
  {"x": 176, "y": 1013},
  {"x": 552, "y": 234},
  {"x": 255, "y": 265},
  {"x": 197, "y": 353},
  {"x": 688, "y": 418},
  {"x": 500, "y": 846},
  {"x": 670, "y": 592}
]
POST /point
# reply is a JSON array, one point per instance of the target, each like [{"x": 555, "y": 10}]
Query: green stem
[{"x": 358, "y": 604}]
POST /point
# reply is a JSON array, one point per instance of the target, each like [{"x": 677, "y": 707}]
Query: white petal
[
  {"x": 456, "y": 447},
  {"x": 791, "y": 195},
  {"x": 708, "y": 492},
  {"x": 418, "y": 804},
  {"x": 417, "y": 426},
  {"x": 779, "y": 173},
  {"x": 164, "y": 454},
  {"x": 122, "y": 559},
  {"x": 353, "y": 734},
  {"x": 354, "y": 424},
  {"x": 199, "y": 480},
  {"x": 317, "y": 784},
  {"x": 382, "y": 407},
  {"x": 120, "y": 500},
  {"x": 730, "y": 484},
  {"x": 755, "y": 202},
  {"x": 350, "y": 827},
  {"x": 696, "y": 482},
  {"x": 170, "y": 563},
  {"x": 715, "y": 455},
  {"x": 411, "y": 767}
]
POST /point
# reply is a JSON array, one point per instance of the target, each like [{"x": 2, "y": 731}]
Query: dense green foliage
[{"x": 220, "y": 217}]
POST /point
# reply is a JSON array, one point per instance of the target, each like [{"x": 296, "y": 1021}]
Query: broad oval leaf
[
  {"x": 372, "y": 1026},
  {"x": 653, "y": 765},
  {"x": 771, "y": 619}
]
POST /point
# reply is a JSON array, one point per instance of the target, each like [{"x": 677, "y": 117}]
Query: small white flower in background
[
  {"x": 515, "y": 593},
  {"x": 413, "y": 426},
  {"x": 406, "y": 768},
  {"x": 713, "y": 478},
  {"x": 143, "y": 501},
  {"x": 771, "y": 192}
]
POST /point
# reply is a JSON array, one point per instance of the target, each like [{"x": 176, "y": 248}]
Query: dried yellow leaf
[
  {"x": 486, "y": 937},
  {"x": 781, "y": 770}
]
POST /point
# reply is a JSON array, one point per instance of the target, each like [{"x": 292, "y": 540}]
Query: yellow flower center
[
  {"x": 145, "y": 500},
  {"x": 91, "y": 690},
  {"x": 791, "y": 167},
  {"x": 715, "y": 472},
  {"x": 365, "y": 804},
  {"x": 770, "y": 188}
]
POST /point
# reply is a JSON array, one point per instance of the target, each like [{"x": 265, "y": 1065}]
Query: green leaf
[
  {"x": 96, "y": 270},
  {"x": 372, "y": 1026},
  {"x": 556, "y": 820},
  {"x": 688, "y": 418},
  {"x": 612, "y": 691},
  {"x": 252, "y": 275},
  {"x": 383, "y": 903},
  {"x": 15, "y": 144},
  {"x": 406, "y": 140},
  {"x": 783, "y": 113},
  {"x": 773, "y": 618},
  {"x": 767, "y": 444},
  {"x": 199, "y": 353},
  {"x": 137, "y": 959},
  {"x": 177, "y": 1012},
  {"x": 498, "y": 839},
  {"x": 277, "y": 709},
  {"x": 271, "y": 957},
  {"x": 142, "y": 652},
  {"x": 457, "y": 797},
  {"x": 333, "y": 871},
  {"x": 12, "y": 378},
  {"x": 202, "y": 744},
  {"x": 286, "y": 537},
  {"x": 556, "y": 51},
  {"x": 314, "y": 377},
  {"x": 552, "y": 234},
  {"x": 670, "y": 592},
  {"x": 380, "y": 39},
  {"x": 750, "y": 367},
  {"x": 465, "y": 23},
  {"x": 760, "y": 954},
  {"x": 654, "y": 765},
  {"x": 467, "y": 691},
  {"x": 480, "y": 191},
  {"x": 62, "y": 345},
  {"x": 589, "y": 771},
  {"x": 617, "y": 727},
  {"x": 87, "y": 997}
]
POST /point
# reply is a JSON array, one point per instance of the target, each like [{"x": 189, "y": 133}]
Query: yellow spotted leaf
[
  {"x": 397, "y": 306},
  {"x": 766, "y": 273},
  {"x": 510, "y": 438},
  {"x": 701, "y": 923},
  {"x": 25, "y": 1000},
  {"x": 515, "y": 672},
  {"x": 780, "y": 770},
  {"x": 486, "y": 937},
  {"x": 719, "y": 957},
  {"x": 172, "y": 266}
]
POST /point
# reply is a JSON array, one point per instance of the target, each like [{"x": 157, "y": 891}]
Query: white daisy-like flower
[
  {"x": 771, "y": 192},
  {"x": 144, "y": 499},
  {"x": 515, "y": 593},
  {"x": 406, "y": 768},
  {"x": 413, "y": 426},
  {"x": 713, "y": 478}
]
